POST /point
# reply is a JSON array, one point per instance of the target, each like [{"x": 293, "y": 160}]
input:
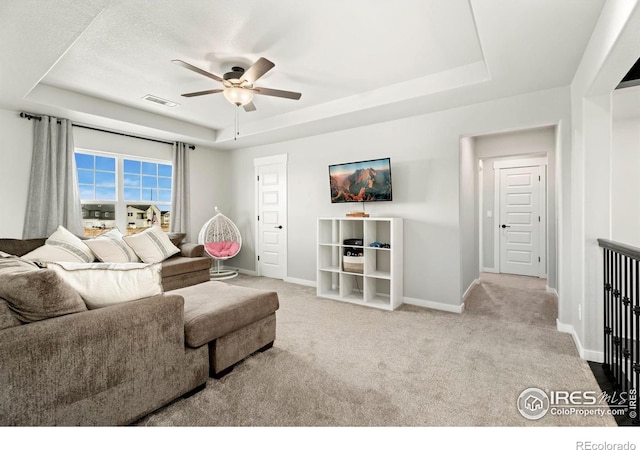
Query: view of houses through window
[{"x": 123, "y": 192}]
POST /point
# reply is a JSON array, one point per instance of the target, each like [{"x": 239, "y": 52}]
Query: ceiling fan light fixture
[
  {"x": 239, "y": 84},
  {"x": 238, "y": 96}
]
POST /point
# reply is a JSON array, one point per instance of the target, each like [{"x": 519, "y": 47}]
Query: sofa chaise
[{"x": 113, "y": 365}]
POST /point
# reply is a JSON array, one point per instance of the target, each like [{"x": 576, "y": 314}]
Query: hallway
[{"x": 513, "y": 298}]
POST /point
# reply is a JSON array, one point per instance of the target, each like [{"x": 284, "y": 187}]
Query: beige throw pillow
[
  {"x": 62, "y": 245},
  {"x": 110, "y": 247},
  {"x": 106, "y": 284},
  {"x": 152, "y": 245}
]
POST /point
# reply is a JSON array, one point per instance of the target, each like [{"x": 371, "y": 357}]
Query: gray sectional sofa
[{"x": 113, "y": 365}]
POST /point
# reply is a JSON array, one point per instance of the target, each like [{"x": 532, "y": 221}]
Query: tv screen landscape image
[{"x": 362, "y": 181}]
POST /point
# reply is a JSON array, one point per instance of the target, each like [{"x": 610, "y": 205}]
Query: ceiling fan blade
[
  {"x": 249, "y": 107},
  {"x": 277, "y": 93},
  {"x": 186, "y": 65},
  {"x": 262, "y": 66},
  {"x": 195, "y": 94}
]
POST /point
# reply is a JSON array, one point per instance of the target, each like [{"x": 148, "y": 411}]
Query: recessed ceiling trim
[
  {"x": 450, "y": 80},
  {"x": 106, "y": 114}
]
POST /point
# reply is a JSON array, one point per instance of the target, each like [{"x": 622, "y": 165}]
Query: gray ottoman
[{"x": 234, "y": 321}]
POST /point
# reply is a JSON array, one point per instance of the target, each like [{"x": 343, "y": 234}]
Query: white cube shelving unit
[{"x": 380, "y": 283}]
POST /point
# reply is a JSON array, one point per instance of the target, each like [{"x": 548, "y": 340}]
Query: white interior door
[
  {"x": 520, "y": 221},
  {"x": 272, "y": 213}
]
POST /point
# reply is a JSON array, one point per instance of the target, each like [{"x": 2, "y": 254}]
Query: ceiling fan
[{"x": 238, "y": 84}]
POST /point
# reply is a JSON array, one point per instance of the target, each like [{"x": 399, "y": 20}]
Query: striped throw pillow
[
  {"x": 152, "y": 245},
  {"x": 63, "y": 246},
  {"x": 111, "y": 247}
]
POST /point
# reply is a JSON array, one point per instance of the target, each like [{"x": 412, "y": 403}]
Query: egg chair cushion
[{"x": 222, "y": 249}]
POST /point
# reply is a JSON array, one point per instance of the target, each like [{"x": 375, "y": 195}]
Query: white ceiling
[{"x": 355, "y": 61}]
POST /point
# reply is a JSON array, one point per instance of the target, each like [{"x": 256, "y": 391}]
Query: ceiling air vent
[{"x": 160, "y": 101}]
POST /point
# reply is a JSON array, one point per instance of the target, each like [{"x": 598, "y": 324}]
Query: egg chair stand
[{"x": 221, "y": 239}]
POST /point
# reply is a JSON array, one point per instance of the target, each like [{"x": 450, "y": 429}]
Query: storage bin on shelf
[
  {"x": 354, "y": 264},
  {"x": 353, "y": 257}
]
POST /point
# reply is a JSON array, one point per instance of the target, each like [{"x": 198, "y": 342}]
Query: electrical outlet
[
  {"x": 579, "y": 312},
  {"x": 489, "y": 213}
]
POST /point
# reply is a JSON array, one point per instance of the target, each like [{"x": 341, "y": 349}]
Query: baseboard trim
[
  {"x": 300, "y": 281},
  {"x": 566, "y": 328},
  {"x": 242, "y": 271},
  {"x": 466, "y": 293},
  {"x": 285, "y": 279},
  {"x": 490, "y": 270},
  {"x": 552, "y": 291},
  {"x": 589, "y": 355},
  {"x": 459, "y": 309}
]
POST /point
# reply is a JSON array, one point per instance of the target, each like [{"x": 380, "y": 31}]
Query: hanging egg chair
[{"x": 221, "y": 239}]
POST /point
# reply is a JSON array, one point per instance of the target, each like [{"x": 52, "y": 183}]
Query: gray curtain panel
[
  {"x": 54, "y": 197},
  {"x": 179, "y": 222}
]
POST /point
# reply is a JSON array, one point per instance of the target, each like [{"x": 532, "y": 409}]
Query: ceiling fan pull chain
[{"x": 237, "y": 127}]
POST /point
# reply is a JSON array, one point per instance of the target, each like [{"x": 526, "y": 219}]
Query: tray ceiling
[{"x": 355, "y": 62}]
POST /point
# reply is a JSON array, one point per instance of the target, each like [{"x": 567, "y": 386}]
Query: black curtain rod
[{"x": 34, "y": 117}]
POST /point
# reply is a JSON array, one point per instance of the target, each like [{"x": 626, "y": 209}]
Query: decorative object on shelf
[
  {"x": 357, "y": 214},
  {"x": 221, "y": 239},
  {"x": 379, "y": 245},
  {"x": 356, "y": 242}
]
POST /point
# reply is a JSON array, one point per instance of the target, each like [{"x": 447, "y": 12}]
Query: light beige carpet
[{"x": 337, "y": 364}]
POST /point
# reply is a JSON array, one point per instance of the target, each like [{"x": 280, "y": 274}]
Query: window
[
  {"x": 147, "y": 181},
  {"x": 119, "y": 191},
  {"x": 96, "y": 177}
]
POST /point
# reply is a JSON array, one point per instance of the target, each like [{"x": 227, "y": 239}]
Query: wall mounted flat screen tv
[{"x": 362, "y": 181}]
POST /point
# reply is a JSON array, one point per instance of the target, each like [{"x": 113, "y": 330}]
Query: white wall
[
  {"x": 515, "y": 145},
  {"x": 611, "y": 52},
  {"x": 209, "y": 176},
  {"x": 425, "y": 158},
  {"x": 209, "y": 186},
  {"x": 469, "y": 215},
  {"x": 625, "y": 185},
  {"x": 15, "y": 165}
]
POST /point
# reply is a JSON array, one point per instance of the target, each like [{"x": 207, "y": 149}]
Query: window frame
[{"x": 120, "y": 204}]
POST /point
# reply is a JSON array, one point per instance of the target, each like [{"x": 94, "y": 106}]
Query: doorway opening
[
  {"x": 509, "y": 179},
  {"x": 516, "y": 201}
]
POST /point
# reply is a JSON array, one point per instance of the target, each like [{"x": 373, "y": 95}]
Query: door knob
[
  {"x": 506, "y": 226},
  {"x": 279, "y": 226}
]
